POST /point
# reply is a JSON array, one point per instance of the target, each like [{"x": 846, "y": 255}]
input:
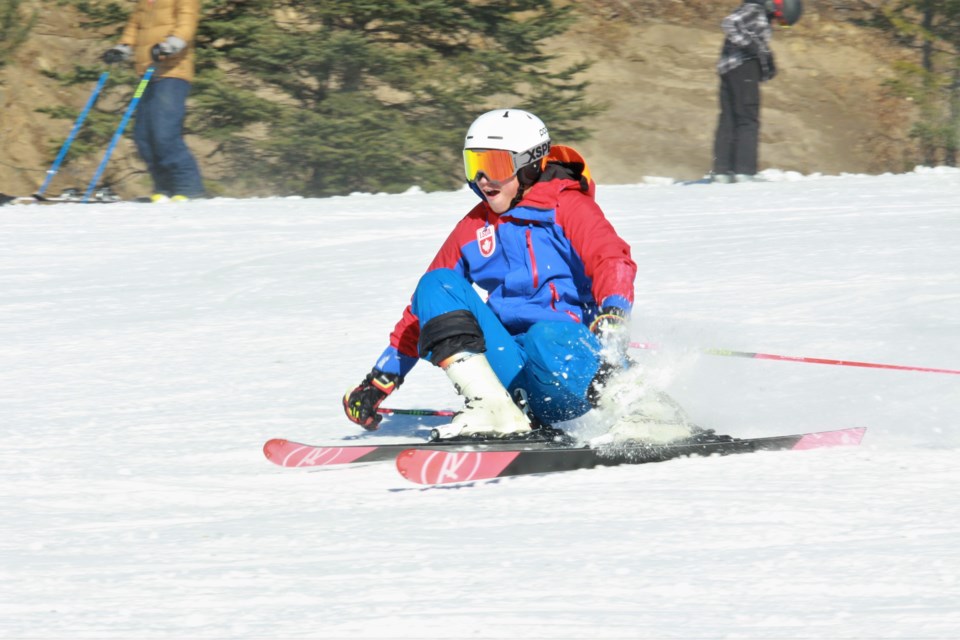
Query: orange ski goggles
[{"x": 497, "y": 164}]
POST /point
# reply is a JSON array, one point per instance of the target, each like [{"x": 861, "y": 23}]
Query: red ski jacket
[{"x": 552, "y": 257}]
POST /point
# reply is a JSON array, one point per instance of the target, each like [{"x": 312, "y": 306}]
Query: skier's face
[{"x": 499, "y": 195}]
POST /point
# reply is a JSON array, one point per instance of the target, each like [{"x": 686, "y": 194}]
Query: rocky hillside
[{"x": 654, "y": 68}]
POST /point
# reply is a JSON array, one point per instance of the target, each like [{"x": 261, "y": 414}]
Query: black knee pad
[{"x": 449, "y": 334}]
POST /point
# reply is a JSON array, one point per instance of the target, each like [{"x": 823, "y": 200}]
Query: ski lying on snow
[
  {"x": 101, "y": 196},
  {"x": 444, "y": 466},
  {"x": 296, "y": 454},
  {"x": 36, "y": 199}
]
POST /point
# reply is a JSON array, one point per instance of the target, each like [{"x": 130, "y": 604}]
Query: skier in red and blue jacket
[{"x": 559, "y": 284}]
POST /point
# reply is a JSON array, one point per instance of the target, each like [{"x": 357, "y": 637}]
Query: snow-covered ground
[{"x": 148, "y": 351}]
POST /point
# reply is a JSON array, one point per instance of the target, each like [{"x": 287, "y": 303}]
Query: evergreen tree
[
  {"x": 328, "y": 97},
  {"x": 933, "y": 80}
]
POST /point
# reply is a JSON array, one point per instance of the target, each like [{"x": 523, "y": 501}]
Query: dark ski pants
[
  {"x": 158, "y": 134},
  {"x": 738, "y": 128},
  {"x": 553, "y": 362}
]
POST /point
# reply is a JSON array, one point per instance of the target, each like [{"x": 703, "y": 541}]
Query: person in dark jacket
[
  {"x": 554, "y": 325},
  {"x": 745, "y": 61}
]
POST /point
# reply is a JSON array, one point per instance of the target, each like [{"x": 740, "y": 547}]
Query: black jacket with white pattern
[{"x": 748, "y": 33}]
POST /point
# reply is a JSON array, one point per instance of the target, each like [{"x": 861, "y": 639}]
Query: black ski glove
[
  {"x": 769, "y": 68},
  {"x": 612, "y": 327},
  {"x": 361, "y": 403}
]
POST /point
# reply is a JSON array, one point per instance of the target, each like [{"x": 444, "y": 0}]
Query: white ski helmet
[{"x": 519, "y": 133}]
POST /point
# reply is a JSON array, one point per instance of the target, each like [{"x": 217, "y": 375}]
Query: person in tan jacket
[{"x": 160, "y": 34}]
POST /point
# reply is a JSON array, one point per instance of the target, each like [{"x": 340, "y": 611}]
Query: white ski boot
[
  {"x": 641, "y": 414},
  {"x": 489, "y": 410}
]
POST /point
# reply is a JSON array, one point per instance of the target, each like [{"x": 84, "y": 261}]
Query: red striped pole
[{"x": 773, "y": 356}]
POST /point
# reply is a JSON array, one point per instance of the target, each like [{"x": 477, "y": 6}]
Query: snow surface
[{"x": 148, "y": 351}]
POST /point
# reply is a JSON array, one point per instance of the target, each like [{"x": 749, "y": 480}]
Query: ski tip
[
  {"x": 838, "y": 438},
  {"x": 273, "y": 447}
]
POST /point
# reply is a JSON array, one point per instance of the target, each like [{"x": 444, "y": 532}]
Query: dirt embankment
[{"x": 654, "y": 62}]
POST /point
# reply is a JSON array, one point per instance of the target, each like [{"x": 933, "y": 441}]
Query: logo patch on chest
[{"x": 487, "y": 240}]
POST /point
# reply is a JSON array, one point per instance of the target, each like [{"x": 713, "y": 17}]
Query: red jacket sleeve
[{"x": 605, "y": 255}]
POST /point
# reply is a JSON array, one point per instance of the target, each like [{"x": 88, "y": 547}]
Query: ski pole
[
  {"x": 116, "y": 136},
  {"x": 52, "y": 171},
  {"x": 415, "y": 412},
  {"x": 773, "y": 356}
]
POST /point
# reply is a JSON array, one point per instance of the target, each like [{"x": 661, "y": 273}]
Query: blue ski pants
[
  {"x": 158, "y": 134},
  {"x": 553, "y": 362}
]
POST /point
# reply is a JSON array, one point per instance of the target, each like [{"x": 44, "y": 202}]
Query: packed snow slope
[{"x": 148, "y": 351}]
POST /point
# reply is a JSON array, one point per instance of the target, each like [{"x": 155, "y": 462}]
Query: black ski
[
  {"x": 100, "y": 196},
  {"x": 443, "y": 466}
]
